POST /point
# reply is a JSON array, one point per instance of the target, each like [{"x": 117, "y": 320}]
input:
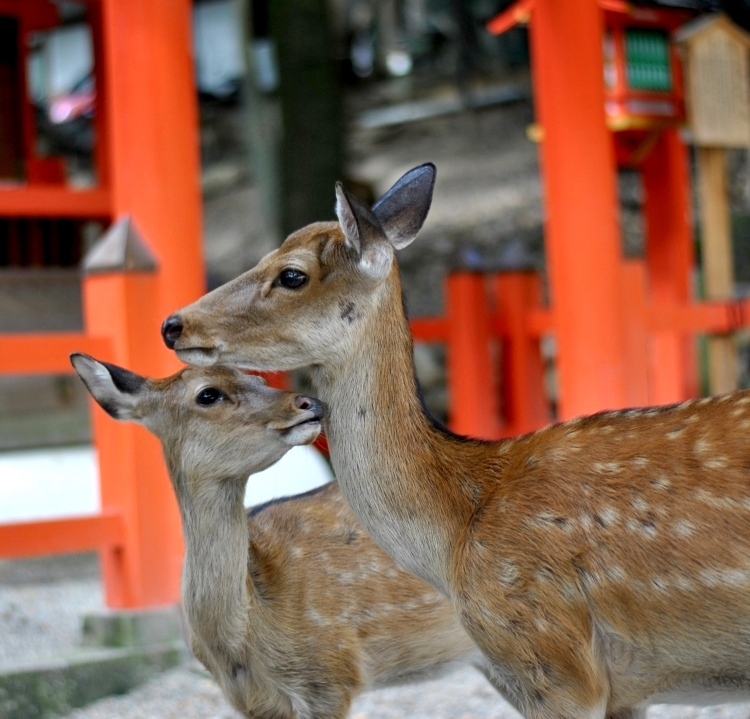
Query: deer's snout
[
  {"x": 310, "y": 404},
  {"x": 171, "y": 330}
]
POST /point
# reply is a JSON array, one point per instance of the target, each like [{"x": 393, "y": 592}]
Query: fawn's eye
[
  {"x": 293, "y": 279},
  {"x": 209, "y": 396}
]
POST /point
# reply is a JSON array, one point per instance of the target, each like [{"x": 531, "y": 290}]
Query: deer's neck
[
  {"x": 396, "y": 469},
  {"x": 216, "y": 594}
]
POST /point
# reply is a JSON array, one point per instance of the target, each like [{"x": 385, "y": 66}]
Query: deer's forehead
[{"x": 192, "y": 379}]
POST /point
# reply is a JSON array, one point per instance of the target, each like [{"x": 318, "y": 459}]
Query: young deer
[
  {"x": 292, "y": 608},
  {"x": 601, "y": 565}
]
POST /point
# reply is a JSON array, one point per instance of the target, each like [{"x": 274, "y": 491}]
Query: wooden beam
[
  {"x": 48, "y": 353},
  {"x": 53, "y": 201},
  {"x": 59, "y": 536}
]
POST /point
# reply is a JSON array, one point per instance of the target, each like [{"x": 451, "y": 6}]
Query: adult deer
[
  {"x": 292, "y": 607},
  {"x": 601, "y": 565}
]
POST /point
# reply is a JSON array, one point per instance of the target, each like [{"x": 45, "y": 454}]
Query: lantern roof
[{"x": 701, "y": 27}]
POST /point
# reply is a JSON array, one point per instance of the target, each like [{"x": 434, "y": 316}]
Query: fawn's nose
[
  {"x": 311, "y": 404},
  {"x": 171, "y": 331}
]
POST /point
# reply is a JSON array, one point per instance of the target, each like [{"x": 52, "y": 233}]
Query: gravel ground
[{"x": 190, "y": 693}]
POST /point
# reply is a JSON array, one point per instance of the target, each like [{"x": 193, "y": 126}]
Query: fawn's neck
[
  {"x": 393, "y": 465},
  {"x": 216, "y": 594}
]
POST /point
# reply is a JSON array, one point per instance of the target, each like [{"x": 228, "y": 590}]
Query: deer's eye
[
  {"x": 293, "y": 279},
  {"x": 209, "y": 396}
]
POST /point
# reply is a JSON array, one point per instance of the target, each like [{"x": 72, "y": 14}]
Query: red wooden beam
[
  {"x": 47, "y": 353},
  {"x": 58, "y": 536},
  {"x": 53, "y": 201}
]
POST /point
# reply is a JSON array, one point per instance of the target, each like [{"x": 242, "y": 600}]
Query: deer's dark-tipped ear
[
  {"x": 403, "y": 209},
  {"x": 363, "y": 234},
  {"x": 114, "y": 388}
]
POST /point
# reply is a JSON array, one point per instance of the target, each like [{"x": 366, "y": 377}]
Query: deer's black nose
[
  {"x": 171, "y": 331},
  {"x": 311, "y": 404}
]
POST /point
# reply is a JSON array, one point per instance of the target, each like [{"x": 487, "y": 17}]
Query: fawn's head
[
  {"x": 216, "y": 422},
  {"x": 303, "y": 303}
]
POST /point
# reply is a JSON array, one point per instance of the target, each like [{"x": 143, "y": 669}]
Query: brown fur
[
  {"x": 601, "y": 565},
  {"x": 292, "y": 608}
]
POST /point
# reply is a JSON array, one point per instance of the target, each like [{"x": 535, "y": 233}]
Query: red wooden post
[
  {"x": 151, "y": 126},
  {"x": 582, "y": 234},
  {"x": 636, "y": 342},
  {"x": 524, "y": 402},
  {"x": 471, "y": 386},
  {"x": 120, "y": 294},
  {"x": 670, "y": 259}
]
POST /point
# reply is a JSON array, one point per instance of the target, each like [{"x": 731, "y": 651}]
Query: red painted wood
[
  {"x": 48, "y": 353},
  {"x": 57, "y": 536}
]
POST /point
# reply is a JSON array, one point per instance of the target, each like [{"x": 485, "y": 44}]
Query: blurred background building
[{"x": 293, "y": 95}]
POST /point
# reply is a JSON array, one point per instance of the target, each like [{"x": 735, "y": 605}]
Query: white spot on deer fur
[
  {"x": 719, "y": 502},
  {"x": 704, "y": 401},
  {"x": 675, "y": 433},
  {"x": 616, "y": 573},
  {"x": 685, "y": 404},
  {"x": 296, "y": 552},
  {"x": 609, "y": 515},
  {"x": 745, "y": 424},
  {"x": 508, "y": 573},
  {"x": 734, "y": 576},
  {"x": 745, "y": 399},
  {"x": 702, "y": 445},
  {"x": 660, "y": 584},
  {"x": 585, "y": 521},
  {"x": 640, "y": 504},
  {"x": 738, "y": 411},
  {"x": 683, "y": 583},
  {"x": 661, "y": 482},
  {"x": 710, "y": 577},
  {"x": 607, "y": 429},
  {"x": 315, "y": 618},
  {"x": 636, "y": 527},
  {"x": 683, "y": 528},
  {"x": 691, "y": 418},
  {"x": 717, "y": 463},
  {"x": 541, "y": 624},
  {"x": 640, "y": 462},
  {"x": 569, "y": 592},
  {"x": 346, "y": 577},
  {"x": 610, "y": 467}
]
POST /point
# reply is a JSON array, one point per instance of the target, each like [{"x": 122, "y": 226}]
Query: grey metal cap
[{"x": 120, "y": 249}]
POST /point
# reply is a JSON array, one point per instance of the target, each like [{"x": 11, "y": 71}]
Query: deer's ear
[
  {"x": 116, "y": 389},
  {"x": 403, "y": 209},
  {"x": 363, "y": 234}
]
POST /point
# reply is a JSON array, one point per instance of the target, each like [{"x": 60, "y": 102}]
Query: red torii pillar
[
  {"x": 148, "y": 159},
  {"x": 582, "y": 231}
]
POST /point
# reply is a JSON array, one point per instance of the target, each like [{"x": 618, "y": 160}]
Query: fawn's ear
[
  {"x": 403, "y": 209},
  {"x": 363, "y": 234},
  {"x": 116, "y": 389}
]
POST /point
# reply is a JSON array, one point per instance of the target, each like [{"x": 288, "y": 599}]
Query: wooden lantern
[
  {"x": 718, "y": 89},
  {"x": 642, "y": 69},
  {"x": 718, "y": 109}
]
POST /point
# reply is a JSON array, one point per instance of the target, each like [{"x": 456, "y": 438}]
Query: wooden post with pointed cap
[{"x": 120, "y": 293}]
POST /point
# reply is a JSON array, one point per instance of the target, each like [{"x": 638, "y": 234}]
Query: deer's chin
[
  {"x": 198, "y": 356},
  {"x": 304, "y": 433}
]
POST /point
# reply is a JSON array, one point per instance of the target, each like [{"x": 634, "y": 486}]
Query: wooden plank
[
  {"x": 60, "y": 536},
  {"x": 53, "y": 201},
  {"x": 718, "y": 275},
  {"x": 48, "y": 353}
]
